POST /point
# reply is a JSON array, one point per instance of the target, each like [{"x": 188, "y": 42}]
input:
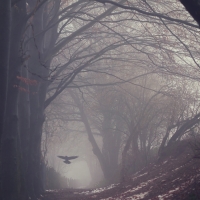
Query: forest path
[
  {"x": 77, "y": 194},
  {"x": 176, "y": 176}
]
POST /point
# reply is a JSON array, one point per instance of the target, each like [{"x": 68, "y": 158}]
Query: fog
[
  {"x": 80, "y": 172},
  {"x": 113, "y": 132},
  {"x": 80, "y": 168},
  {"x": 94, "y": 91}
]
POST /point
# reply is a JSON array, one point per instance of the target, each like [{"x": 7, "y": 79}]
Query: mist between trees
[{"x": 114, "y": 82}]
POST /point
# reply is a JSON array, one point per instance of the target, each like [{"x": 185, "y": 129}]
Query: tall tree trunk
[
  {"x": 5, "y": 27},
  {"x": 108, "y": 157},
  {"x": 162, "y": 146},
  {"x": 36, "y": 107},
  {"x": 10, "y": 148},
  {"x": 111, "y": 144},
  {"x": 133, "y": 138},
  {"x": 96, "y": 149},
  {"x": 39, "y": 67},
  {"x": 24, "y": 129}
]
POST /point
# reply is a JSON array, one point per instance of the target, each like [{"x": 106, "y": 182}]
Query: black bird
[{"x": 66, "y": 158}]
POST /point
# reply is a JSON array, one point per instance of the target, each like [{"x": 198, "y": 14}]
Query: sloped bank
[{"x": 174, "y": 176}]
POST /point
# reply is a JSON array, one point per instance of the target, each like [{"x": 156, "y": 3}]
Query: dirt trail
[{"x": 174, "y": 177}]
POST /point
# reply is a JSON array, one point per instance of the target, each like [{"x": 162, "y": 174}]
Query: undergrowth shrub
[{"x": 54, "y": 180}]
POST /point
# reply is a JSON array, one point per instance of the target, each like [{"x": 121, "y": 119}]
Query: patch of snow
[
  {"x": 134, "y": 197},
  {"x": 139, "y": 176},
  {"x": 143, "y": 184},
  {"x": 151, "y": 180},
  {"x": 175, "y": 179},
  {"x": 98, "y": 190},
  {"x": 137, "y": 188},
  {"x": 139, "y": 171},
  {"x": 162, "y": 197},
  {"x": 171, "y": 191},
  {"x": 138, "y": 196},
  {"x": 177, "y": 168}
]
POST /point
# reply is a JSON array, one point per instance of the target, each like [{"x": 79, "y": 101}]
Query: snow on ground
[
  {"x": 174, "y": 177},
  {"x": 135, "y": 177},
  {"x": 98, "y": 190},
  {"x": 134, "y": 197},
  {"x": 138, "y": 196},
  {"x": 164, "y": 196}
]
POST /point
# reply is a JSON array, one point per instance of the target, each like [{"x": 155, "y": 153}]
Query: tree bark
[
  {"x": 186, "y": 126},
  {"x": 24, "y": 129},
  {"x": 5, "y": 26},
  {"x": 96, "y": 149},
  {"x": 39, "y": 67},
  {"x": 10, "y": 139}
]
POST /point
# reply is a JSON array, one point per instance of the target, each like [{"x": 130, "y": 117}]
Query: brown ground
[{"x": 174, "y": 177}]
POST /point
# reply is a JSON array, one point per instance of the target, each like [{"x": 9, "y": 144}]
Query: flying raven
[{"x": 66, "y": 158}]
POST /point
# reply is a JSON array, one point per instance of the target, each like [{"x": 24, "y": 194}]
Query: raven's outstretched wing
[
  {"x": 72, "y": 157},
  {"x": 68, "y": 158},
  {"x": 63, "y": 157}
]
